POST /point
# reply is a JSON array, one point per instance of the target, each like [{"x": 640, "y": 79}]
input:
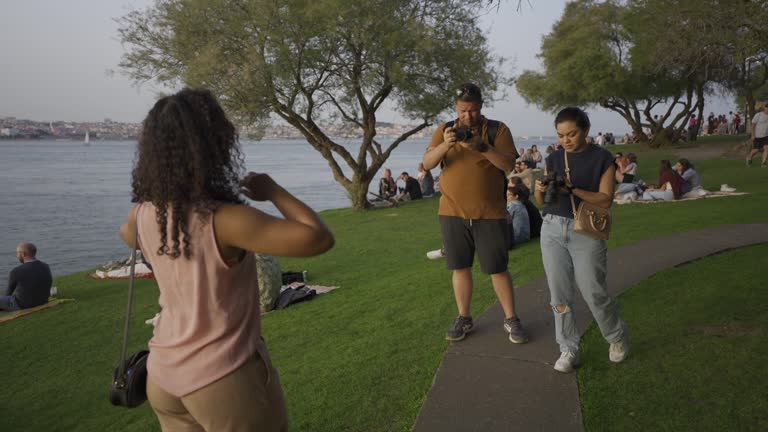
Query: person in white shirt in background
[
  {"x": 760, "y": 135},
  {"x": 731, "y": 117},
  {"x": 600, "y": 140}
]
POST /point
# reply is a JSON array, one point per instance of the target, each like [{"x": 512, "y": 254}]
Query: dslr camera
[
  {"x": 463, "y": 133},
  {"x": 553, "y": 181}
]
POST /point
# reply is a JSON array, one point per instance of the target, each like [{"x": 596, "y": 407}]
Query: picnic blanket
[
  {"x": 142, "y": 271},
  {"x": 9, "y": 315},
  {"x": 717, "y": 194}
]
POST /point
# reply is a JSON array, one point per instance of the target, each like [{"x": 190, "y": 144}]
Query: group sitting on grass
[{"x": 673, "y": 183}]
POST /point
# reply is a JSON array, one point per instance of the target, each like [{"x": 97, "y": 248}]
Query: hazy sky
[{"x": 56, "y": 57}]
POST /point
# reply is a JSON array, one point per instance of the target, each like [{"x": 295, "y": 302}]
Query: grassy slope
[
  {"x": 698, "y": 338},
  {"x": 359, "y": 359}
]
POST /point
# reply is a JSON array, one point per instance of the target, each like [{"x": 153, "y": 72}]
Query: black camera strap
[{"x": 131, "y": 279}]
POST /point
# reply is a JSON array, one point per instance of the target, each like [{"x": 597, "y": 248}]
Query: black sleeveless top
[{"x": 587, "y": 167}]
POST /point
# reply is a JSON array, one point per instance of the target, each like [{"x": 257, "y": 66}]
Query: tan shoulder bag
[{"x": 589, "y": 219}]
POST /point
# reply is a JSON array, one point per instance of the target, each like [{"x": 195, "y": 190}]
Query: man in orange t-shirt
[{"x": 472, "y": 208}]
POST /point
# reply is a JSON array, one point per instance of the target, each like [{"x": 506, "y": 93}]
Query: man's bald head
[{"x": 26, "y": 250}]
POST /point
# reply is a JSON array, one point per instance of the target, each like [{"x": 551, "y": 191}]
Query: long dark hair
[
  {"x": 664, "y": 166},
  {"x": 188, "y": 158},
  {"x": 685, "y": 163}
]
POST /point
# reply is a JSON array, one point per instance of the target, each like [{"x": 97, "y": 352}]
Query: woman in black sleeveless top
[{"x": 572, "y": 259}]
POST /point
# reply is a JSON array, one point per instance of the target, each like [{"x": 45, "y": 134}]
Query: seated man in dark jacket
[
  {"x": 29, "y": 284},
  {"x": 412, "y": 189}
]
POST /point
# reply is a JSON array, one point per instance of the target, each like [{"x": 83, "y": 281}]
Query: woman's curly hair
[{"x": 188, "y": 158}]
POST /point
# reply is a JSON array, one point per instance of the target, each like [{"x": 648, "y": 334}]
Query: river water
[{"x": 69, "y": 199}]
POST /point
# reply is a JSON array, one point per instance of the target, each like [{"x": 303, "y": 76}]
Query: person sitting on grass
[
  {"x": 527, "y": 158},
  {"x": 534, "y": 215},
  {"x": 523, "y": 172},
  {"x": 536, "y": 156},
  {"x": 426, "y": 181},
  {"x": 668, "y": 187},
  {"x": 517, "y": 215},
  {"x": 691, "y": 180},
  {"x": 29, "y": 284},
  {"x": 627, "y": 170},
  {"x": 387, "y": 185},
  {"x": 412, "y": 190},
  {"x": 626, "y": 176}
]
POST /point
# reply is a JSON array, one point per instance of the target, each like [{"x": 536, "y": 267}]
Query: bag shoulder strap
[
  {"x": 130, "y": 292},
  {"x": 568, "y": 176},
  {"x": 493, "y": 128}
]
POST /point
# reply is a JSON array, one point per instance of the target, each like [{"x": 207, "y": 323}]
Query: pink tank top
[{"x": 209, "y": 322}]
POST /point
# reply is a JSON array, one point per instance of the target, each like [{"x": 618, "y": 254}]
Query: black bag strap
[
  {"x": 121, "y": 370},
  {"x": 493, "y": 128}
]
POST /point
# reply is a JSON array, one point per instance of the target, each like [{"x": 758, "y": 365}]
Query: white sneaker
[
  {"x": 436, "y": 254},
  {"x": 618, "y": 351},
  {"x": 567, "y": 361},
  {"x": 726, "y": 188}
]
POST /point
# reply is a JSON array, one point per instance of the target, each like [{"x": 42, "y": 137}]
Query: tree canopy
[
  {"x": 313, "y": 60},
  {"x": 632, "y": 57}
]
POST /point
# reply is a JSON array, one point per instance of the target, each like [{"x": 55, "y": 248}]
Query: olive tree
[
  {"x": 594, "y": 55},
  {"x": 310, "y": 61}
]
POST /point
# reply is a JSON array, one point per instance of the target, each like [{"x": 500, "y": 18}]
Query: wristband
[{"x": 482, "y": 148}]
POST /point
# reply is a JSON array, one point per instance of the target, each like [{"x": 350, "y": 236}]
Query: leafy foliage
[
  {"x": 631, "y": 57},
  {"x": 312, "y": 60}
]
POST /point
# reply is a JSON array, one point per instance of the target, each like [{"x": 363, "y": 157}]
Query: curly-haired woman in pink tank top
[{"x": 209, "y": 369}]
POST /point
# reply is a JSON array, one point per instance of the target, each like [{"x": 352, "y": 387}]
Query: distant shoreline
[{"x": 76, "y": 139}]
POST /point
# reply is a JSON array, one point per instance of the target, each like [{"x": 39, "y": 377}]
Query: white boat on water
[{"x": 87, "y": 139}]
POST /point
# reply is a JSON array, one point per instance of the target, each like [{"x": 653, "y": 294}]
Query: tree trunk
[
  {"x": 665, "y": 137},
  {"x": 750, "y": 111},
  {"x": 357, "y": 190}
]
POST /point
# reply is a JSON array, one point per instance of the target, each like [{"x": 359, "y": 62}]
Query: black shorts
[
  {"x": 759, "y": 143},
  {"x": 462, "y": 237},
  {"x": 628, "y": 178}
]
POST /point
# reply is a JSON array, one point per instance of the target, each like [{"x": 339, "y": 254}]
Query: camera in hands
[
  {"x": 463, "y": 133},
  {"x": 553, "y": 181}
]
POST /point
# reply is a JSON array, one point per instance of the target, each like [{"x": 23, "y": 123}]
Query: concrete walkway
[{"x": 486, "y": 383}]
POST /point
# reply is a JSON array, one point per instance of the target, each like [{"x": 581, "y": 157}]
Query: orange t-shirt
[{"x": 471, "y": 186}]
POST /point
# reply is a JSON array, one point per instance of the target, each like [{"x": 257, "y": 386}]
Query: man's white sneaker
[
  {"x": 726, "y": 188},
  {"x": 618, "y": 351},
  {"x": 567, "y": 361},
  {"x": 436, "y": 254}
]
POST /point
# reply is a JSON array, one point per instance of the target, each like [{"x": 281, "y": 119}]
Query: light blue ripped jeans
[{"x": 574, "y": 260}]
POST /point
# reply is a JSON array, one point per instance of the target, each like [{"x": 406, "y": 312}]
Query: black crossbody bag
[{"x": 129, "y": 379}]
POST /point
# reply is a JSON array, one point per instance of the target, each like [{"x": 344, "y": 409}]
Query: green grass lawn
[
  {"x": 361, "y": 358},
  {"x": 698, "y": 340}
]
